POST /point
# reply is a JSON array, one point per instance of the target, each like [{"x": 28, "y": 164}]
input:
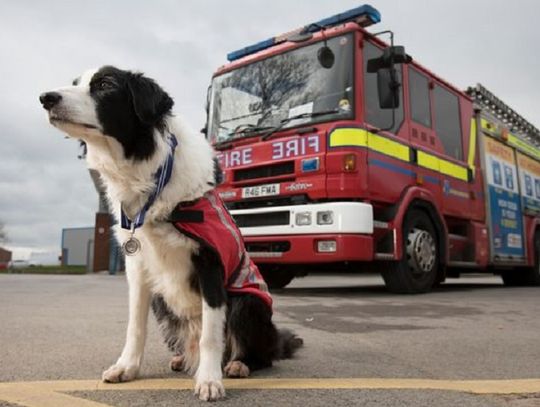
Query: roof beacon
[{"x": 365, "y": 16}]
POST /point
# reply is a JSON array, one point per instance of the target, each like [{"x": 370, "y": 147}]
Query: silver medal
[{"x": 131, "y": 246}]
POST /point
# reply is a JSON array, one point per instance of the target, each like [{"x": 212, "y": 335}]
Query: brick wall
[
  {"x": 5, "y": 255},
  {"x": 102, "y": 238}
]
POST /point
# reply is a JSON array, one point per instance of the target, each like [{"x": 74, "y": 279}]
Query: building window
[
  {"x": 419, "y": 98},
  {"x": 374, "y": 115},
  {"x": 447, "y": 121}
]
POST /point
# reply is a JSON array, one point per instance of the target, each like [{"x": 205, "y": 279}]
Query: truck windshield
[{"x": 266, "y": 93}]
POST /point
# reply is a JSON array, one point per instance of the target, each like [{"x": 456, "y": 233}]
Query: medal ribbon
[{"x": 161, "y": 178}]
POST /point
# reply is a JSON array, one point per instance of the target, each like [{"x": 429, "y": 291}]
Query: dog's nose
[{"x": 50, "y": 99}]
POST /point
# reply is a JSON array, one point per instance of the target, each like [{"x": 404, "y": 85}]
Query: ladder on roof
[{"x": 516, "y": 123}]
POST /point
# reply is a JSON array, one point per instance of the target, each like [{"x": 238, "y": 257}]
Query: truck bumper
[
  {"x": 303, "y": 249},
  {"x": 312, "y": 233}
]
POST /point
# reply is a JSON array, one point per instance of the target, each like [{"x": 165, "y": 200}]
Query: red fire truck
[{"x": 338, "y": 150}]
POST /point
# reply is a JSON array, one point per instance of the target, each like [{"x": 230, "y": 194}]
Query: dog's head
[{"x": 110, "y": 102}]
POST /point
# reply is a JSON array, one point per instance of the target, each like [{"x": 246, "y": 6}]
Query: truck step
[
  {"x": 384, "y": 256},
  {"x": 377, "y": 224},
  {"x": 465, "y": 264},
  {"x": 452, "y": 236}
]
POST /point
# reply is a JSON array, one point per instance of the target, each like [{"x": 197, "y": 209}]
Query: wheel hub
[{"x": 421, "y": 251}]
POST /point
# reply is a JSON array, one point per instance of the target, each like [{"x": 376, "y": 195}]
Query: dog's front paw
[
  {"x": 120, "y": 373},
  {"x": 209, "y": 390}
]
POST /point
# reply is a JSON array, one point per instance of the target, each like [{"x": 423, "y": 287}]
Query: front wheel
[{"x": 416, "y": 272}]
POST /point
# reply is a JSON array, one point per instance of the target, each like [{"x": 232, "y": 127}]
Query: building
[
  {"x": 5, "y": 257},
  {"x": 78, "y": 247},
  {"x": 105, "y": 253}
]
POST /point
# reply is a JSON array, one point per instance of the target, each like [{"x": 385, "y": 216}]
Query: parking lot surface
[{"x": 471, "y": 342}]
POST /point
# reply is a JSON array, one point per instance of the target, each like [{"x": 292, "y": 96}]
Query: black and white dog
[{"x": 125, "y": 119}]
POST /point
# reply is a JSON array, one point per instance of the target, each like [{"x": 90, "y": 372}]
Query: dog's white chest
[{"x": 166, "y": 255}]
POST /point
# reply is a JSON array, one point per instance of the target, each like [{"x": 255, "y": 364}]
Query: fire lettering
[
  {"x": 295, "y": 147},
  {"x": 235, "y": 158},
  {"x": 291, "y": 148}
]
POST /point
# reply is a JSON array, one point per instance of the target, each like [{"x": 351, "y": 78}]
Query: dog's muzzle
[{"x": 50, "y": 99}]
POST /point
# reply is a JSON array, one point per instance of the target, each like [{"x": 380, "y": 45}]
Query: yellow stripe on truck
[
  {"x": 363, "y": 138},
  {"x": 388, "y": 147},
  {"x": 348, "y": 138},
  {"x": 472, "y": 145},
  {"x": 354, "y": 137},
  {"x": 526, "y": 147},
  {"x": 442, "y": 166},
  {"x": 454, "y": 170},
  {"x": 427, "y": 161},
  {"x": 511, "y": 139}
]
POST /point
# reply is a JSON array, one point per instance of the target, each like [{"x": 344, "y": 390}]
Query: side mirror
[
  {"x": 387, "y": 78},
  {"x": 391, "y": 55},
  {"x": 388, "y": 88},
  {"x": 204, "y": 130},
  {"x": 400, "y": 56}
]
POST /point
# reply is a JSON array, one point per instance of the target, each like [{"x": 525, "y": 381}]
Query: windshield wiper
[
  {"x": 243, "y": 116},
  {"x": 248, "y": 128},
  {"x": 298, "y": 116},
  {"x": 250, "y": 131}
]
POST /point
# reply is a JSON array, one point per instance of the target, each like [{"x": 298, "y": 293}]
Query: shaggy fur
[{"x": 125, "y": 118}]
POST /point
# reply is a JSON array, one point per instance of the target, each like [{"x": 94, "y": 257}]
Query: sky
[{"x": 44, "y": 187}]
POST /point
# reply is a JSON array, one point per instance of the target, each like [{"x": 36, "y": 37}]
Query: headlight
[
  {"x": 326, "y": 246},
  {"x": 325, "y": 218},
  {"x": 303, "y": 218}
]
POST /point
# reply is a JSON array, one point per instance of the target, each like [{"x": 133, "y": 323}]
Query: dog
[{"x": 185, "y": 256}]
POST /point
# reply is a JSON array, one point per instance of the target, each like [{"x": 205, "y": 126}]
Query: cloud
[{"x": 44, "y": 187}]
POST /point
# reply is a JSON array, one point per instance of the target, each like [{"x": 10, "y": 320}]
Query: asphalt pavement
[{"x": 405, "y": 349}]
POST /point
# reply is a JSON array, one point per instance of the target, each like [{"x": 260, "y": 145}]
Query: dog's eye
[{"x": 105, "y": 85}]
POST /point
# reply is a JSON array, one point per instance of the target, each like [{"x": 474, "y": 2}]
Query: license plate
[{"x": 260, "y": 190}]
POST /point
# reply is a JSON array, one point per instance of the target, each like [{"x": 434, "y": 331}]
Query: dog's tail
[{"x": 288, "y": 344}]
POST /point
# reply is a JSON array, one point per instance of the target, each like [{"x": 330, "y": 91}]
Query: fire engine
[{"x": 339, "y": 150}]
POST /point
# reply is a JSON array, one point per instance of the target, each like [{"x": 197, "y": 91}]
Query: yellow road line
[
  {"x": 48, "y": 393},
  {"x": 29, "y": 395}
]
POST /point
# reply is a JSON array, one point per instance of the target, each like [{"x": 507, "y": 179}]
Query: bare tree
[
  {"x": 3, "y": 233},
  {"x": 275, "y": 80}
]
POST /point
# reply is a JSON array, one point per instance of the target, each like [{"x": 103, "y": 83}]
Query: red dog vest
[{"x": 208, "y": 222}]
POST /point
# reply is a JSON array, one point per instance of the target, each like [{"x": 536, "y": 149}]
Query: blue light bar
[
  {"x": 233, "y": 56},
  {"x": 365, "y": 15}
]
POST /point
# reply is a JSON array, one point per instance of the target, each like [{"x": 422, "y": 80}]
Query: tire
[
  {"x": 276, "y": 278},
  {"x": 525, "y": 276},
  {"x": 417, "y": 271}
]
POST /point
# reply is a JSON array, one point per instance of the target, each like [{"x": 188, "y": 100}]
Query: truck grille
[
  {"x": 265, "y": 171},
  {"x": 262, "y": 219},
  {"x": 268, "y": 247},
  {"x": 268, "y": 202}
]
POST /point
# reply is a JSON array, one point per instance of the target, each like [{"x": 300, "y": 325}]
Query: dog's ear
[{"x": 150, "y": 102}]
